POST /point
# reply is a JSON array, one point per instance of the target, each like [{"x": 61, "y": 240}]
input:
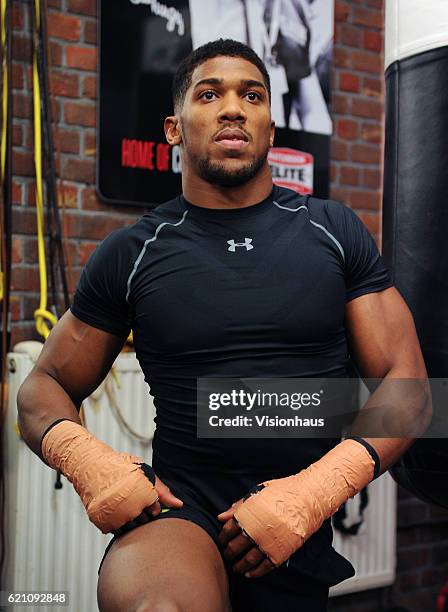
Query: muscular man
[{"x": 233, "y": 278}]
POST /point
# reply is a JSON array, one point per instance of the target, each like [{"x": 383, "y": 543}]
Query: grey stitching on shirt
[
  {"x": 143, "y": 251},
  {"x": 329, "y": 234}
]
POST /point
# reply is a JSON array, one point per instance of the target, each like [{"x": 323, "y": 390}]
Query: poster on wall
[{"x": 141, "y": 44}]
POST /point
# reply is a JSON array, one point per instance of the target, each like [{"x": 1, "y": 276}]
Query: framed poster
[{"x": 141, "y": 44}]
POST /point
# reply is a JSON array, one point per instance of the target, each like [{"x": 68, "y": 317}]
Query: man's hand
[
  {"x": 165, "y": 497},
  {"x": 250, "y": 561}
]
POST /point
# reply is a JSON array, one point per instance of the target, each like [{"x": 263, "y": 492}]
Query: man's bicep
[
  {"x": 78, "y": 356},
  {"x": 382, "y": 336}
]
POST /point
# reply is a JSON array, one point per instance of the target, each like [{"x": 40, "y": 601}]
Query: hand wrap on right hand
[{"x": 114, "y": 487}]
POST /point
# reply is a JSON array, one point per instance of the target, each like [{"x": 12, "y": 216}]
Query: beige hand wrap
[
  {"x": 112, "y": 487},
  {"x": 284, "y": 514}
]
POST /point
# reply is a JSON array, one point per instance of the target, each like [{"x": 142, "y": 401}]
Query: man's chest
[{"x": 238, "y": 289}]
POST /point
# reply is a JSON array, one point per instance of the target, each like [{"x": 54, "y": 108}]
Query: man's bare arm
[
  {"x": 384, "y": 344},
  {"x": 74, "y": 361}
]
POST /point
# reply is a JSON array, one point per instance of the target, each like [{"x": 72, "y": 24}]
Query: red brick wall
[{"x": 356, "y": 177}]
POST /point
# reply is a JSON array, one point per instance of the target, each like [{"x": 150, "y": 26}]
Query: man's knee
[
  {"x": 161, "y": 603},
  {"x": 137, "y": 603}
]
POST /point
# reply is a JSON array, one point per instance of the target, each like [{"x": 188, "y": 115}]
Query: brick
[
  {"x": 80, "y": 114},
  {"x": 90, "y": 200},
  {"x": 407, "y": 582},
  {"x": 68, "y": 196},
  {"x": 83, "y": 58},
  {"x": 90, "y": 31},
  {"x": 24, "y": 331},
  {"x": 341, "y": 11},
  {"x": 63, "y": 84},
  {"x": 16, "y": 194},
  {"x": 371, "y": 133},
  {"x": 21, "y": 48},
  {"x": 333, "y": 173},
  {"x": 79, "y": 170},
  {"x": 406, "y": 537},
  {"x": 372, "y": 41},
  {"x": 94, "y": 227},
  {"x": 22, "y": 105},
  {"x": 367, "y": 62},
  {"x": 18, "y": 16},
  {"x": 17, "y": 76},
  {"x": 372, "y": 222},
  {"x": 347, "y": 129},
  {"x": 340, "y": 194},
  {"x": 434, "y": 576},
  {"x": 89, "y": 145},
  {"x": 340, "y": 104},
  {"x": 368, "y": 18},
  {"x": 15, "y": 308},
  {"x": 375, "y": 4},
  {"x": 54, "y": 3},
  {"x": 23, "y": 163},
  {"x": 85, "y": 251},
  {"x": 342, "y": 58},
  {"x": 349, "y": 175},
  {"x": 371, "y": 178},
  {"x": 54, "y": 53},
  {"x": 67, "y": 140},
  {"x": 365, "y": 199},
  {"x": 372, "y": 87},
  {"x": 30, "y": 250},
  {"x": 17, "y": 135},
  {"x": 350, "y": 36},
  {"x": 85, "y": 7},
  {"x": 16, "y": 249},
  {"x": 349, "y": 82},
  {"x": 89, "y": 89},
  {"x": 339, "y": 150},
  {"x": 25, "y": 279},
  {"x": 65, "y": 27},
  {"x": 366, "y": 154}
]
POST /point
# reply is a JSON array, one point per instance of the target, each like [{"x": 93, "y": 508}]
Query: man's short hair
[{"x": 225, "y": 47}]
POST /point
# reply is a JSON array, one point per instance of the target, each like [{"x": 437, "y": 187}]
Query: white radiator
[{"x": 53, "y": 546}]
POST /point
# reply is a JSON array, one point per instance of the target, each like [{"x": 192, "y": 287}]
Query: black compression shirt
[{"x": 252, "y": 292}]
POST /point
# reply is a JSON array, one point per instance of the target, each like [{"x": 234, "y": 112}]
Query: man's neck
[{"x": 199, "y": 192}]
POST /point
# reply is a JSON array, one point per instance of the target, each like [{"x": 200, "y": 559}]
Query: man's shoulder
[
  {"x": 145, "y": 227},
  {"x": 317, "y": 207}
]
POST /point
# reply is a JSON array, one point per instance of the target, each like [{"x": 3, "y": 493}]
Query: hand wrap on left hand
[{"x": 283, "y": 513}]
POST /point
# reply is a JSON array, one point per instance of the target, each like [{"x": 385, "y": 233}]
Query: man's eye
[
  {"x": 253, "y": 96},
  {"x": 208, "y": 95}
]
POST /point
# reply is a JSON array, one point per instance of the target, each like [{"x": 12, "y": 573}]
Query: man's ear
[
  {"x": 173, "y": 132},
  {"x": 271, "y": 138}
]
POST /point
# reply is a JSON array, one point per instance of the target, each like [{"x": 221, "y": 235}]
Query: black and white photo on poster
[{"x": 141, "y": 45}]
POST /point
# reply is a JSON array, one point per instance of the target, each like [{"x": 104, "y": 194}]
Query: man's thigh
[{"x": 166, "y": 565}]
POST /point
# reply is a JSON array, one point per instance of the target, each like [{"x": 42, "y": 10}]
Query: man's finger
[
  {"x": 251, "y": 560},
  {"x": 261, "y": 570},
  {"x": 236, "y": 547},
  {"x": 229, "y": 531},
  {"x": 227, "y": 514}
]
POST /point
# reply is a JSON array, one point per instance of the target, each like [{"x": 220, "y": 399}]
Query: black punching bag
[{"x": 415, "y": 216}]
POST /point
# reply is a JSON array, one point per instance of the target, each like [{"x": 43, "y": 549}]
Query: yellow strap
[{"x": 45, "y": 320}]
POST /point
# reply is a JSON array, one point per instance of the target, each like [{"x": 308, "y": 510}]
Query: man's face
[{"x": 225, "y": 122}]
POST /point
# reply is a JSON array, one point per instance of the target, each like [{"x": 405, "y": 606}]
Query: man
[{"x": 234, "y": 278}]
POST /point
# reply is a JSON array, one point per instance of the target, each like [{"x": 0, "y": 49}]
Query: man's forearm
[
  {"x": 40, "y": 401},
  {"x": 401, "y": 407}
]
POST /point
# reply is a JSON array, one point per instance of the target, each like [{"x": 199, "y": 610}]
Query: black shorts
[{"x": 286, "y": 588}]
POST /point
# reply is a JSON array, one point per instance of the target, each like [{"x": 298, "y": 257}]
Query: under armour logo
[{"x": 247, "y": 243}]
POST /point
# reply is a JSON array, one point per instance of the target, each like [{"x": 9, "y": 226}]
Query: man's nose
[{"x": 231, "y": 109}]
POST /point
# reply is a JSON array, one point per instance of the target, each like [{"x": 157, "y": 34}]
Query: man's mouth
[{"x": 232, "y": 138}]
